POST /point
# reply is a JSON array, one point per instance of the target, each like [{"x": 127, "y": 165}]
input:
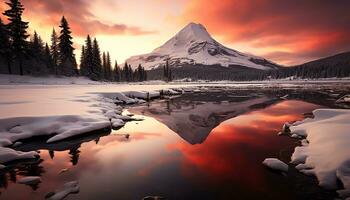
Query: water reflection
[{"x": 216, "y": 154}]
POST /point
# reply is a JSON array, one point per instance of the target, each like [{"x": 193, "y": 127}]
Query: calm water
[{"x": 198, "y": 146}]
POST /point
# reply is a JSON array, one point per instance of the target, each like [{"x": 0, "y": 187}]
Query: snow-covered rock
[
  {"x": 68, "y": 188},
  {"x": 344, "y": 99},
  {"x": 116, "y": 123},
  {"x": 275, "y": 164},
  {"x": 59, "y": 127},
  {"x": 30, "y": 180},
  {"x": 194, "y": 45},
  {"x": 7, "y": 155},
  {"x": 327, "y": 154}
]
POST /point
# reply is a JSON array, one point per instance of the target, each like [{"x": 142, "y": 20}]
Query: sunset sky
[{"x": 286, "y": 32}]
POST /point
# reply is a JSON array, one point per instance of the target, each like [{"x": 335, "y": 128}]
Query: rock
[
  {"x": 275, "y": 164},
  {"x": 153, "y": 198},
  {"x": 30, "y": 180}
]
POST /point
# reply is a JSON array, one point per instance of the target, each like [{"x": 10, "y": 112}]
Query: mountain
[{"x": 193, "y": 46}]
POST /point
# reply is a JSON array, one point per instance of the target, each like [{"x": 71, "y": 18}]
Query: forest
[{"x": 22, "y": 53}]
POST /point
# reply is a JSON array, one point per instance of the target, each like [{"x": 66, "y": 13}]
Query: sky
[{"x": 283, "y": 31}]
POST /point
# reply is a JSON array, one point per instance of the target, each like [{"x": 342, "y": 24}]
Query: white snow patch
[
  {"x": 7, "y": 155},
  {"x": 327, "y": 154},
  {"x": 68, "y": 188},
  {"x": 59, "y": 127},
  {"x": 30, "y": 180},
  {"x": 275, "y": 164}
]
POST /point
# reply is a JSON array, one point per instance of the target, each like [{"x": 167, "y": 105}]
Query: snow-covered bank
[
  {"x": 60, "y": 112},
  {"x": 327, "y": 152}
]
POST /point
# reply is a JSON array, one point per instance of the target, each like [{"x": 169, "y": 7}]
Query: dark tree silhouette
[
  {"x": 5, "y": 48},
  {"x": 54, "y": 50},
  {"x": 17, "y": 29},
  {"x": 96, "y": 61},
  {"x": 67, "y": 62}
]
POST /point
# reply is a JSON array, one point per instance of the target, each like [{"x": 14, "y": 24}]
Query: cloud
[
  {"x": 48, "y": 13},
  {"x": 311, "y": 29}
]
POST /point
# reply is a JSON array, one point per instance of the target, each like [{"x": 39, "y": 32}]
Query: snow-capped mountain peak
[{"x": 194, "y": 45}]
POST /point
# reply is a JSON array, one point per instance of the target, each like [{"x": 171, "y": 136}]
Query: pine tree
[
  {"x": 17, "y": 31},
  {"x": 36, "y": 46},
  {"x": 67, "y": 58},
  {"x": 5, "y": 47},
  {"x": 117, "y": 72},
  {"x": 96, "y": 61},
  {"x": 130, "y": 73},
  {"x": 54, "y": 51},
  {"x": 139, "y": 73},
  {"x": 87, "y": 69},
  {"x": 48, "y": 59},
  {"x": 82, "y": 68},
  {"x": 126, "y": 72},
  {"x": 108, "y": 67},
  {"x": 104, "y": 65}
]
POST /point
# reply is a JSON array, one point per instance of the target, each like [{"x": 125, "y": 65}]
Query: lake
[{"x": 205, "y": 145}]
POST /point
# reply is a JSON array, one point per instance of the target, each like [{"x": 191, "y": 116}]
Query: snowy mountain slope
[{"x": 194, "y": 45}]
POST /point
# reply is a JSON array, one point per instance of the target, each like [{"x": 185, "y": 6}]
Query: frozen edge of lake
[
  {"x": 63, "y": 127},
  {"x": 326, "y": 152}
]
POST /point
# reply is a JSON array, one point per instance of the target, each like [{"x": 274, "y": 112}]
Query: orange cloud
[
  {"x": 303, "y": 30},
  {"x": 48, "y": 13}
]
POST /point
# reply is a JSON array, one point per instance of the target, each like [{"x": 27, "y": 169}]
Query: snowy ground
[
  {"x": 326, "y": 153},
  {"x": 58, "y": 109}
]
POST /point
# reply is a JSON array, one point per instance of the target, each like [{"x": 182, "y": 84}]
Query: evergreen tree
[
  {"x": 139, "y": 73},
  {"x": 48, "y": 59},
  {"x": 104, "y": 65},
  {"x": 87, "y": 63},
  {"x": 54, "y": 51},
  {"x": 82, "y": 68},
  {"x": 36, "y": 46},
  {"x": 5, "y": 47},
  {"x": 67, "y": 58},
  {"x": 126, "y": 72},
  {"x": 130, "y": 73},
  {"x": 108, "y": 67},
  {"x": 117, "y": 72},
  {"x": 96, "y": 61},
  {"x": 17, "y": 31}
]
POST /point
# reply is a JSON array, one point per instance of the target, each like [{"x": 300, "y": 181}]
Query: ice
[
  {"x": 327, "y": 153},
  {"x": 30, "y": 180},
  {"x": 275, "y": 164},
  {"x": 68, "y": 188}
]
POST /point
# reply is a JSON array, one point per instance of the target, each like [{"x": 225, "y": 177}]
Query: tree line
[{"x": 24, "y": 54}]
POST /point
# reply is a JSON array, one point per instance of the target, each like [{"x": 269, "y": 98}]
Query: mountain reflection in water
[{"x": 184, "y": 149}]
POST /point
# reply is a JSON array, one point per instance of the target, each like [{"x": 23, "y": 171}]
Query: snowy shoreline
[
  {"x": 60, "y": 127},
  {"x": 325, "y": 147}
]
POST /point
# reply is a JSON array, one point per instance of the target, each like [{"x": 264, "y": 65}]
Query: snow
[
  {"x": 194, "y": 45},
  {"x": 68, "y": 188},
  {"x": 59, "y": 112},
  {"x": 59, "y": 127},
  {"x": 275, "y": 164},
  {"x": 7, "y": 155},
  {"x": 30, "y": 180},
  {"x": 327, "y": 153},
  {"x": 344, "y": 99},
  {"x": 116, "y": 123},
  {"x": 49, "y": 80}
]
